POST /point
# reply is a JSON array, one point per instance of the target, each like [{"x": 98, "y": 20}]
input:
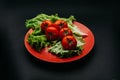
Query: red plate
[{"x": 46, "y": 56}]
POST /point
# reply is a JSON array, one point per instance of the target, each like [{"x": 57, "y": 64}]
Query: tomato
[
  {"x": 69, "y": 43},
  {"x": 61, "y": 24},
  {"x": 52, "y": 33},
  {"x": 54, "y": 25},
  {"x": 65, "y": 32},
  {"x": 45, "y": 24}
]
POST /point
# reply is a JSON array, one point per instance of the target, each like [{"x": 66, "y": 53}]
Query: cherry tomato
[
  {"x": 52, "y": 33},
  {"x": 54, "y": 25},
  {"x": 45, "y": 24},
  {"x": 65, "y": 32},
  {"x": 61, "y": 24},
  {"x": 69, "y": 43}
]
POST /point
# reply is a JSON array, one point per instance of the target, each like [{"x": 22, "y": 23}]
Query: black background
[{"x": 102, "y": 17}]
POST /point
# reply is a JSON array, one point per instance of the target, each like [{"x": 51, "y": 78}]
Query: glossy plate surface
[{"x": 46, "y": 56}]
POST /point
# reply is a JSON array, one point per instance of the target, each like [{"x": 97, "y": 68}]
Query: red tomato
[
  {"x": 52, "y": 33},
  {"x": 57, "y": 27},
  {"x": 45, "y": 24},
  {"x": 65, "y": 32},
  {"x": 69, "y": 43},
  {"x": 61, "y": 24}
]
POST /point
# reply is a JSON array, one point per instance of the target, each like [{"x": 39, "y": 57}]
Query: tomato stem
[
  {"x": 61, "y": 25},
  {"x": 46, "y": 25},
  {"x": 66, "y": 32},
  {"x": 70, "y": 42}
]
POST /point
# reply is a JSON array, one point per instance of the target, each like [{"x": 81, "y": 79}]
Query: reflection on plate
[{"x": 46, "y": 56}]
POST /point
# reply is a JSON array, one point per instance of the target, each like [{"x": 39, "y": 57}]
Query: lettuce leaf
[
  {"x": 36, "y": 21},
  {"x": 58, "y": 50},
  {"x": 38, "y": 40}
]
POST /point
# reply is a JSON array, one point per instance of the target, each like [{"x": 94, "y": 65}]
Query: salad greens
[
  {"x": 38, "y": 39},
  {"x": 59, "y": 51},
  {"x": 36, "y": 21}
]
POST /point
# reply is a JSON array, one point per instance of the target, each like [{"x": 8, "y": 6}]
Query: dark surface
[{"x": 103, "y": 62}]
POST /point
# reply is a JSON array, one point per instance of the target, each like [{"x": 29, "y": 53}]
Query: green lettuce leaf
[
  {"x": 38, "y": 41},
  {"x": 58, "y": 50},
  {"x": 36, "y": 21}
]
